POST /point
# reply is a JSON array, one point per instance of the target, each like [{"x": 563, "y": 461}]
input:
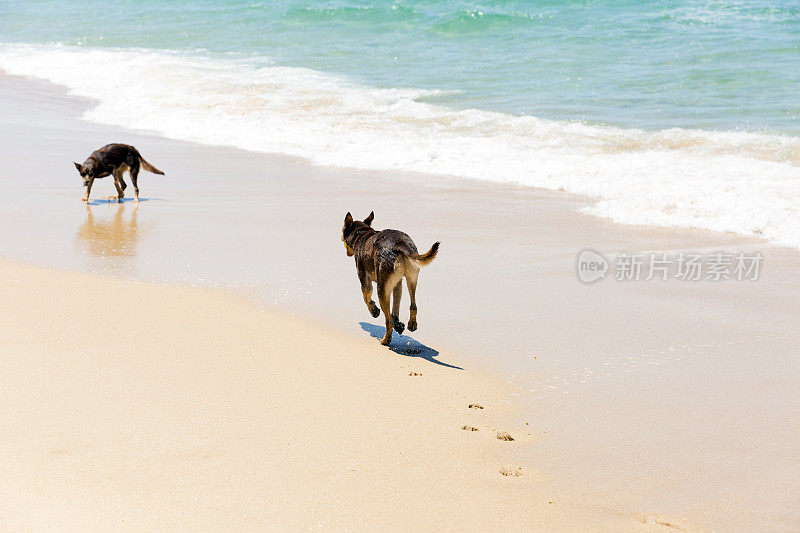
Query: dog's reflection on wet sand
[{"x": 110, "y": 231}]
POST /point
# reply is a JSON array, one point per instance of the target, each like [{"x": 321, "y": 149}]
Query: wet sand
[{"x": 677, "y": 399}]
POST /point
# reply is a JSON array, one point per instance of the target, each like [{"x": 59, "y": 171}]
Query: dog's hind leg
[
  {"x": 134, "y": 172},
  {"x": 384, "y": 294},
  {"x": 411, "y": 282},
  {"x": 119, "y": 184},
  {"x": 396, "y": 296},
  {"x": 121, "y": 172}
]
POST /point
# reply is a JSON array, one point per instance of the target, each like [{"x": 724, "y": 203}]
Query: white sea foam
[{"x": 746, "y": 183}]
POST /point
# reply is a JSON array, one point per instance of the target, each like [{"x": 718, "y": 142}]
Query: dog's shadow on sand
[
  {"x": 113, "y": 200},
  {"x": 404, "y": 345}
]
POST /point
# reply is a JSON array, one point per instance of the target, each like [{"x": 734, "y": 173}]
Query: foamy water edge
[{"x": 740, "y": 182}]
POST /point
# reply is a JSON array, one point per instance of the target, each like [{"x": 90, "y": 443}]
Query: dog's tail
[
  {"x": 424, "y": 259},
  {"x": 148, "y": 167}
]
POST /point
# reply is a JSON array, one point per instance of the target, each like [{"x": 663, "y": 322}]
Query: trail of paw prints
[{"x": 499, "y": 435}]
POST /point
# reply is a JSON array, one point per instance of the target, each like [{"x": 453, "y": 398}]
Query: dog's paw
[
  {"x": 385, "y": 341},
  {"x": 376, "y": 312},
  {"x": 412, "y": 325},
  {"x": 399, "y": 327}
]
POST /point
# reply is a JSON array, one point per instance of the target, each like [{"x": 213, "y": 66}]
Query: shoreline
[
  {"x": 514, "y": 248},
  {"x": 738, "y": 180}
]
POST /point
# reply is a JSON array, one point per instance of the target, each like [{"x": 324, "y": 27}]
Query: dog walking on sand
[
  {"x": 114, "y": 159},
  {"x": 385, "y": 257}
]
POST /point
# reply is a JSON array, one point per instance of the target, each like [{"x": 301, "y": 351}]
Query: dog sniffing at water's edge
[
  {"x": 114, "y": 160},
  {"x": 385, "y": 257}
]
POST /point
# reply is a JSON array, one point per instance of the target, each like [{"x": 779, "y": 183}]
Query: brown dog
[
  {"x": 385, "y": 257},
  {"x": 114, "y": 159}
]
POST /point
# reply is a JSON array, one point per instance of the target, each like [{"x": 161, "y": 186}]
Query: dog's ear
[
  {"x": 348, "y": 219},
  {"x": 78, "y": 166},
  {"x": 370, "y": 218}
]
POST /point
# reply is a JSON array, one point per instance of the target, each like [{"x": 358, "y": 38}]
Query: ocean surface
[{"x": 679, "y": 113}]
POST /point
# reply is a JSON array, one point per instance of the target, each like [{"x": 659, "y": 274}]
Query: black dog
[
  {"x": 385, "y": 257},
  {"x": 114, "y": 159}
]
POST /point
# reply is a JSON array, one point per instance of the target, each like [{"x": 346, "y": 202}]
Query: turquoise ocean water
[
  {"x": 670, "y": 113},
  {"x": 655, "y": 65}
]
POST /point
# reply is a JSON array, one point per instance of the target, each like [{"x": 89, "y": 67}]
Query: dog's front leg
[
  {"x": 88, "y": 190},
  {"x": 371, "y": 306},
  {"x": 366, "y": 291}
]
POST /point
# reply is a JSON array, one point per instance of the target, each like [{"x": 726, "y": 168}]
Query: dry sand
[{"x": 128, "y": 405}]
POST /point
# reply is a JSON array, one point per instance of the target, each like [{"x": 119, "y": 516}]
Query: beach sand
[
  {"x": 130, "y": 405},
  {"x": 646, "y": 402}
]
